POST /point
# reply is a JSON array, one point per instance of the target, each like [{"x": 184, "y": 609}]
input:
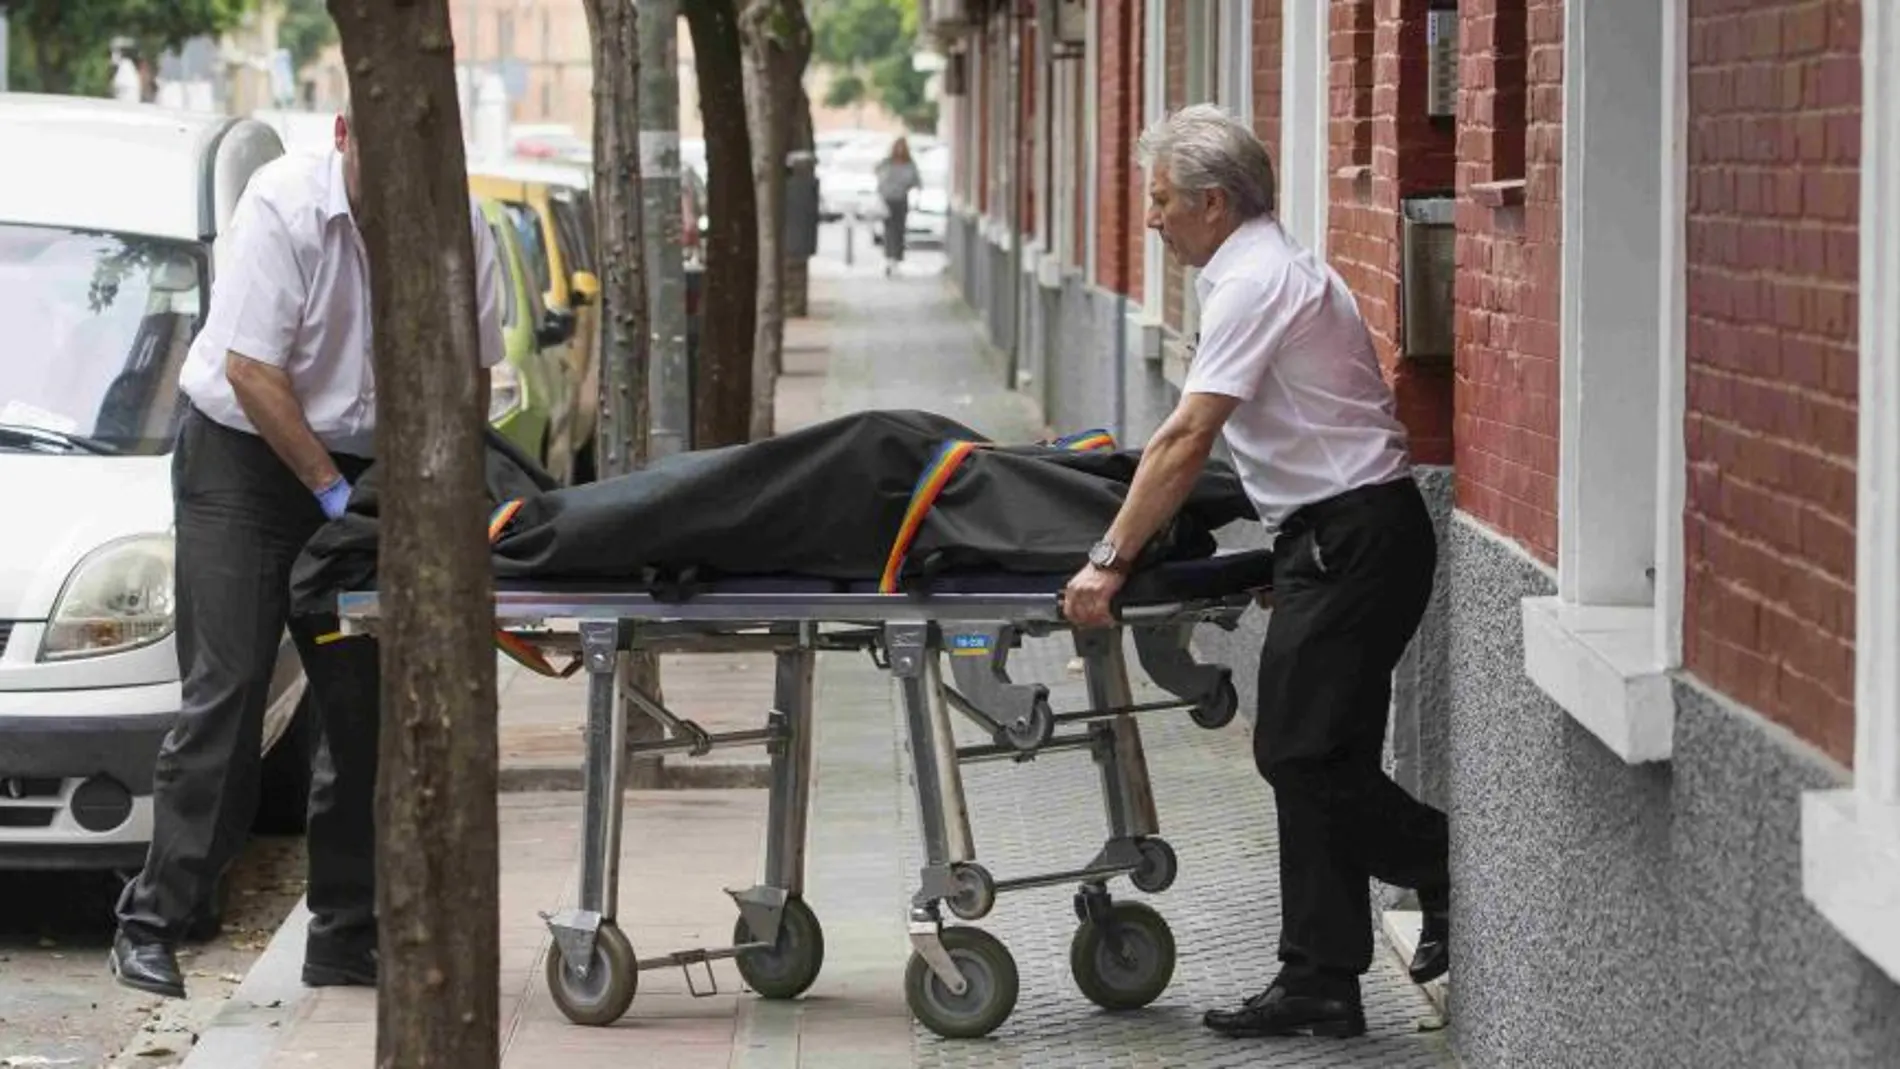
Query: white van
[{"x": 108, "y": 217}]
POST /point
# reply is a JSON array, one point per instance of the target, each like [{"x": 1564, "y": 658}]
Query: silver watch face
[{"x": 1102, "y": 554}]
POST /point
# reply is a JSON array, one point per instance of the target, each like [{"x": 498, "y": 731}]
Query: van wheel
[{"x": 283, "y": 799}]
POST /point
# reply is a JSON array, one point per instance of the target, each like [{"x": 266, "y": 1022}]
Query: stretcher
[{"x": 961, "y": 981}]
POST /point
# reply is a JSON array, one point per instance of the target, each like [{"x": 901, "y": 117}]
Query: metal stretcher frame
[{"x": 961, "y": 981}]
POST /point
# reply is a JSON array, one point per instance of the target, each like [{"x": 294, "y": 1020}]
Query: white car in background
[{"x": 109, "y": 213}]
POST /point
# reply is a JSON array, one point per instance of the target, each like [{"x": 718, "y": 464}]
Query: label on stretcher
[{"x": 968, "y": 645}]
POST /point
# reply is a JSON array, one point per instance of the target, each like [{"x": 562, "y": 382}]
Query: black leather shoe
[
  {"x": 1432, "y": 959},
  {"x": 327, "y": 965},
  {"x": 149, "y": 967},
  {"x": 1278, "y": 1011}
]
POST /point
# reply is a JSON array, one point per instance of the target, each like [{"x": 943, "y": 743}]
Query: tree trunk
[
  {"x": 777, "y": 42},
  {"x": 626, "y": 415},
  {"x": 660, "y": 201},
  {"x": 436, "y": 859},
  {"x": 728, "y": 309},
  {"x": 797, "y": 282}
]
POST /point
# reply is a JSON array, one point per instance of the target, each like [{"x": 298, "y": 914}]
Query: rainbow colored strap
[
  {"x": 1086, "y": 441},
  {"x": 518, "y": 649},
  {"x": 936, "y": 475}
]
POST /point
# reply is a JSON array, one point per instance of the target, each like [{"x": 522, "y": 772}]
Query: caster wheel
[
  {"x": 1032, "y": 732},
  {"x": 790, "y": 966},
  {"x": 1158, "y": 867},
  {"x": 1219, "y": 709},
  {"x": 603, "y": 995},
  {"x": 976, "y": 892},
  {"x": 986, "y": 1002},
  {"x": 1130, "y": 975}
]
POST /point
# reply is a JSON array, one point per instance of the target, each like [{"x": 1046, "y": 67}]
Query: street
[{"x": 60, "y": 1007}]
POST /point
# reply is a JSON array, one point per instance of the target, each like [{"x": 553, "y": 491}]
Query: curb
[
  {"x": 246, "y": 1030},
  {"x": 686, "y": 775}
]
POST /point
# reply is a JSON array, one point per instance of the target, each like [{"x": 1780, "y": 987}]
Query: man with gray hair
[{"x": 1284, "y": 371}]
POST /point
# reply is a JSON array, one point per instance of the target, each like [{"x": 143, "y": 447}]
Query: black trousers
[
  {"x": 242, "y": 518},
  {"x": 1352, "y": 576},
  {"x": 895, "y": 212}
]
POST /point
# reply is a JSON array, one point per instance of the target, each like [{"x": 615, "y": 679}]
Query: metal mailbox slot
[{"x": 1428, "y": 253}]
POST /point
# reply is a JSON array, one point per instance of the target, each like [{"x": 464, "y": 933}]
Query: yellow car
[
  {"x": 525, "y": 386},
  {"x": 552, "y": 209}
]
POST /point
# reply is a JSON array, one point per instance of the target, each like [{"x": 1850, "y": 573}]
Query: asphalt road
[{"x": 59, "y": 1007}]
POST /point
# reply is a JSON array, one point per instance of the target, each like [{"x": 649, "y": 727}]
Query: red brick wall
[
  {"x": 1349, "y": 83},
  {"x": 1120, "y": 193},
  {"x": 1267, "y": 55},
  {"x": 1509, "y": 273},
  {"x": 1772, "y": 246},
  {"x": 980, "y": 101},
  {"x": 1382, "y": 122}
]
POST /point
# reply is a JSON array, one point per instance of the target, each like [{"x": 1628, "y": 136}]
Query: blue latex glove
[{"x": 335, "y": 497}]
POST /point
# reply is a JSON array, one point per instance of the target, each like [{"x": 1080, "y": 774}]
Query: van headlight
[
  {"x": 118, "y": 598},
  {"x": 504, "y": 390}
]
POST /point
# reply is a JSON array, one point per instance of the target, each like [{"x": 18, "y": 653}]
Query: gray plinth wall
[{"x": 1609, "y": 914}]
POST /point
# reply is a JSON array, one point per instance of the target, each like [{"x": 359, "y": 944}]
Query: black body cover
[{"x": 827, "y": 500}]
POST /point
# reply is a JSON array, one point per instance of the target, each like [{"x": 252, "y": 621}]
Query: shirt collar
[
  {"x": 336, "y": 199},
  {"x": 1230, "y": 254}
]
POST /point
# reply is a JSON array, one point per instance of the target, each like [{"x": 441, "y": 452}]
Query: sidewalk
[{"x": 869, "y": 343}]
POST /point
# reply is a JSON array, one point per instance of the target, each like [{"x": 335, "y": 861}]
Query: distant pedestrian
[
  {"x": 281, "y": 421},
  {"x": 896, "y": 177},
  {"x": 1285, "y": 372}
]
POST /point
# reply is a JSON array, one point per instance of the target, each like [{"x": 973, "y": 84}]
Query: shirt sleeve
[
  {"x": 1243, "y": 325},
  {"x": 257, "y": 304},
  {"x": 487, "y": 291}
]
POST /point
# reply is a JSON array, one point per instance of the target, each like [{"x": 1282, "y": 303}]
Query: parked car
[
  {"x": 109, "y": 219},
  {"x": 553, "y": 210},
  {"x": 525, "y": 387}
]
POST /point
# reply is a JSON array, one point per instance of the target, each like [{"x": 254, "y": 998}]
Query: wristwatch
[{"x": 1105, "y": 556}]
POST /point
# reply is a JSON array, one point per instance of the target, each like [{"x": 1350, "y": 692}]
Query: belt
[{"x": 1316, "y": 513}]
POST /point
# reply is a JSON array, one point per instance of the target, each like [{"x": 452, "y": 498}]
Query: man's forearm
[
  {"x": 1172, "y": 461},
  {"x": 272, "y": 407}
]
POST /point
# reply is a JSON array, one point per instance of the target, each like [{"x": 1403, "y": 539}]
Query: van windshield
[{"x": 95, "y": 328}]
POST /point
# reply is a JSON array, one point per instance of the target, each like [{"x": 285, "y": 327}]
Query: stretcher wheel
[
  {"x": 1218, "y": 710},
  {"x": 603, "y": 995},
  {"x": 1032, "y": 732},
  {"x": 976, "y": 892},
  {"x": 987, "y": 1001},
  {"x": 1127, "y": 972},
  {"x": 1158, "y": 867},
  {"x": 792, "y": 963}
]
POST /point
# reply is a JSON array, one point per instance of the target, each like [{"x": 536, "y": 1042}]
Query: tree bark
[
  {"x": 436, "y": 860},
  {"x": 660, "y": 202},
  {"x": 626, "y": 415},
  {"x": 777, "y": 43},
  {"x": 728, "y": 309}
]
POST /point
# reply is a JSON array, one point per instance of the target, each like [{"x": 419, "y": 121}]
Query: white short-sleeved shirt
[
  {"x": 292, "y": 291},
  {"x": 1281, "y": 331}
]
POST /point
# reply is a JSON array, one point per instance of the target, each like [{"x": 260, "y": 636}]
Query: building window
[
  {"x": 1510, "y": 106},
  {"x": 1603, "y": 645},
  {"x": 1850, "y": 838}
]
